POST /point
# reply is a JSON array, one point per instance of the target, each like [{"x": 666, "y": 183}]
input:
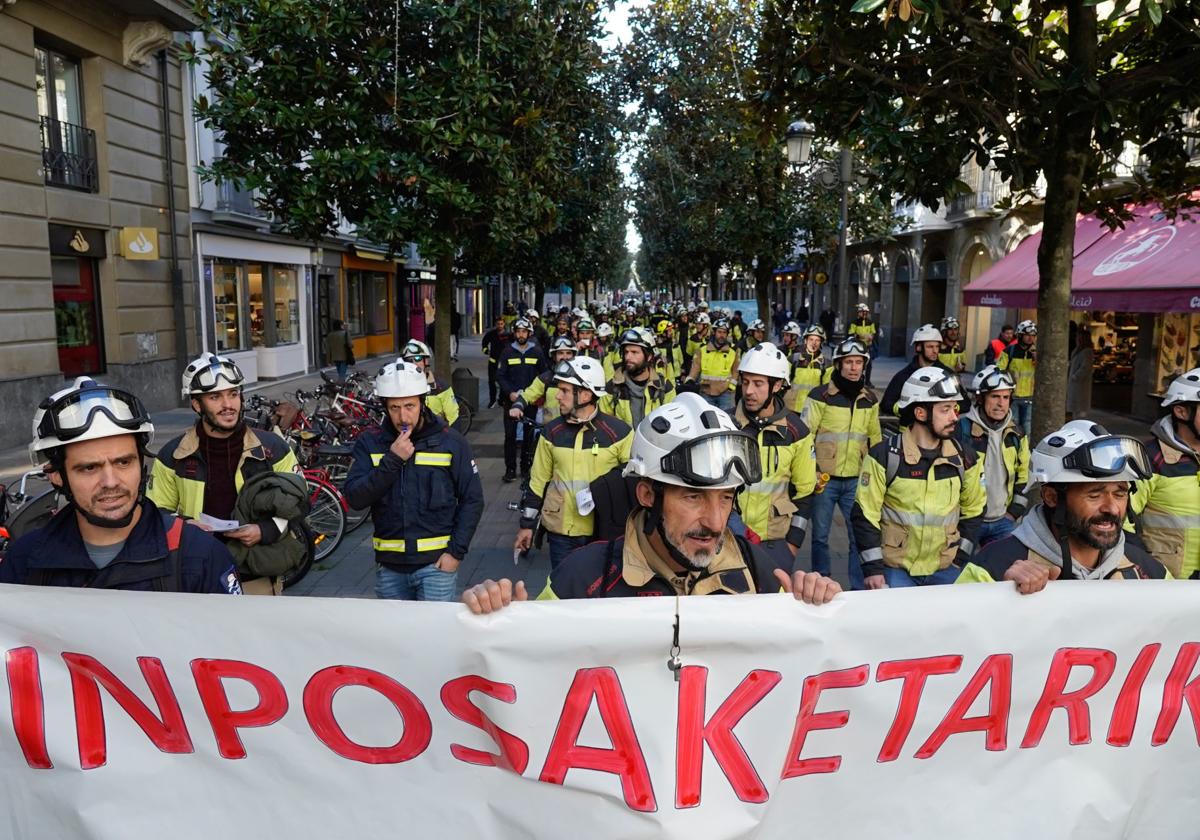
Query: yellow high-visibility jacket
[
  {"x": 659, "y": 391},
  {"x": 808, "y": 371},
  {"x": 714, "y": 369},
  {"x": 843, "y": 428},
  {"x": 1166, "y": 506},
  {"x": 1021, "y": 362},
  {"x": 779, "y": 506}
]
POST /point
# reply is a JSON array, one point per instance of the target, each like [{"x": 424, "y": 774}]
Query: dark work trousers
[
  {"x": 510, "y": 441},
  {"x": 493, "y": 385}
]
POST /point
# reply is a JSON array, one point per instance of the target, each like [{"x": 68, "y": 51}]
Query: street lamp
[{"x": 799, "y": 138}]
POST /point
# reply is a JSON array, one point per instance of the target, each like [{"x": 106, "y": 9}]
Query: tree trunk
[
  {"x": 714, "y": 279},
  {"x": 444, "y": 301},
  {"x": 1056, "y": 253},
  {"x": 539, "y": 296},
  {"x": 762, "y": 291}
]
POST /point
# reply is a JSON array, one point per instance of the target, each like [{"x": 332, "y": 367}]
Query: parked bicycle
[{"x": 23, "y": 509}]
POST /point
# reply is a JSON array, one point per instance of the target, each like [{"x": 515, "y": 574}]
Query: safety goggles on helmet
[
  {"x": 70, "y": 415},
  {"x": 945, "y": 389},
  {"x": 994, "y": 380},
  {"x": 1109, "y": 456},
  {"x": 210, "y": 377},
  {"x": 711, "y": 459}
]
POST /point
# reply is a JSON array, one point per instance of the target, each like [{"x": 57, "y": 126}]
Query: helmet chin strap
[
  {"x": 654, "y": 522},
  {"x": 572, "y": 416},
  {"x": 1060, "y": 524},
  {"x": 92, "y": 519}
]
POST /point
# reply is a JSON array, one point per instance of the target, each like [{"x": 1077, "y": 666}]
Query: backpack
[{"x": 895, "y": 455}]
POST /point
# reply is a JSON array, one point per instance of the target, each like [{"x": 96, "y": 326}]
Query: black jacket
[{"x": 888, "y": 404}]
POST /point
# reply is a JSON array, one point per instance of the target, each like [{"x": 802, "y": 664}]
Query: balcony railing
[
  {"x": 987, "y": 189},
  {"x": 237, "y": 204},
  {"x": 69, "y": 155}
]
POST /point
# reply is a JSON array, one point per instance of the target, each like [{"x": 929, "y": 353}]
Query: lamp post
[{"x": 799, "y": 139}]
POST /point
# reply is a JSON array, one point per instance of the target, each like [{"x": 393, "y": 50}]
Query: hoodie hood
[{"x": 1033, "y": 531}]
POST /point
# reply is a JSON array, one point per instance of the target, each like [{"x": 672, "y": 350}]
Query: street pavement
[{"x": 349, "y": 572}]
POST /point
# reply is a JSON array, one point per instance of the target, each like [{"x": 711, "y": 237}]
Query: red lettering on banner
[
  {"x": 914, "y": 672},
  {"x": 728, "y": 751},
  {"x": 272, "y": 700},
  {"x": 167, "y": 731},
  {"x": 1177, "y": 689},
  {"x": 809, "y": 720},
  {"x": 1054, "y": 696},
  {"x": 1124, "y": 716},
  {"x": 456, "y": 697},
  {"x": 996, "y": 670},
  {"x": 28, "y": 706},
  {"x": 624, "y": 759},
  {"x": 318, "y": 708}
]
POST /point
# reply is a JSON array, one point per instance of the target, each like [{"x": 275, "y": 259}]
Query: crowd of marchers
[{"x": 661, "y": 450}]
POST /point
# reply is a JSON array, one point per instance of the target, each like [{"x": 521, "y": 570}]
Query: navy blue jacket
[
  {"x": 518, "y": 368},
  {"x": 421, "y": 507},
  {"x": 56, "y": 556}
]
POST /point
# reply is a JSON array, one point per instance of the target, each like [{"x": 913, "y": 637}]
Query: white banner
[{"x": 951, "y": 711}]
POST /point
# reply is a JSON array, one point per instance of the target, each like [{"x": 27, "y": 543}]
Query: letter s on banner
[
  {"x": 456, "y": 697},
  {"x": 272, "y": 700},
  {"x": 318, "y": 708}
]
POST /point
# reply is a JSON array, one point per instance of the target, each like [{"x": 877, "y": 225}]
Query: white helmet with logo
[
  {"x": 522, "y": 324},
  {"x": 791, "y": 327},
  {"x": 689, "y": 443},
  {"x": 210, "y": 373},
  {"x": 604, "y": 331},
  {"x": 585, "y": 372},
  {"x": 86, "y": 410},
  {"x": 702, "y": 319},
  {"x": 930, "y": 385},
  {"x": 1027, "y": 328},
  {"x": 765, "y": 359},
  {"x": 926, "y": 332},
  {"x": 1184, "y": 389},
  {"x": 1082, "y": 452},
  {"x": 416, "y": 350},
  {"x": 400, "y": 379},
  {"x": 991, "y": 378},
  {"x": 850, "y": 347}
]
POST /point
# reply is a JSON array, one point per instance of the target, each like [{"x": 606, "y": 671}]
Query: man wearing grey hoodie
[
  {"x": 1001, "y": 444},
  {"x": 1076, "y": 531}
]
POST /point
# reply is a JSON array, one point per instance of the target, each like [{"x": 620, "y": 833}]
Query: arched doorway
[
  {"x": 933, "y": 287},
  {"x": 898, "y": 319},
  {"x": 978, "y": 326}
]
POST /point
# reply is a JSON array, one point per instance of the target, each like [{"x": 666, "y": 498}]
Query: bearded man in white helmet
[
  {"x": 690, "y": 461},
  {"x": 109, "y": 536},
  {"x": 1076, "y": 531}
]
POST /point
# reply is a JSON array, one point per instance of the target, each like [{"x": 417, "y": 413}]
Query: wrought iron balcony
[
  {"x": 69, "y": 155},
  {"x": 237, "y": 205},
  {"x": 987, "y": 189}
]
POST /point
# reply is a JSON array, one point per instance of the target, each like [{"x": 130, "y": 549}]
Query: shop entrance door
[
  {"x": 323, "y": 313},
  {"x": 76, "y": 315}
]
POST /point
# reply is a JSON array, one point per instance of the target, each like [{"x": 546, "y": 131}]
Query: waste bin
[{"x": 466, "y": 387}]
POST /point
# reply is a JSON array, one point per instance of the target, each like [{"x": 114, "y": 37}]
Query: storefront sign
[
  {"x": 939, "y": 712},
  {"x": 71, "y": 241},
  {"x": 139, "y": 243}
]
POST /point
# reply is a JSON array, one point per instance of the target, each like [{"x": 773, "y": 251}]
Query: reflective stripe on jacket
[
  {"x": 1167, "y": 507},
  {"x": 779, "y": 506},
  {"x": 843, "y": 429},
  {"x": 865, "y": 331},
  {"x": 714, "y": 368},
  {"x": 926, "y": 517},
  {"x": 569, "y": 457},
  {"x": 441, "y": 401},
  {"x": 808, "y": 372},
  {"x": 658, "y": 392},
  {"x": 1021, "y": 362}
]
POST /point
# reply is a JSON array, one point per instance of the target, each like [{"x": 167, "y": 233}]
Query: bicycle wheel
[
  {"x": 326, "y": 518},
  {"x": 337, "y": 472},
  {"x": 34, "y": 514},
  {"x": 295, "y": 575},
  {"x": 465, "y": 417}
]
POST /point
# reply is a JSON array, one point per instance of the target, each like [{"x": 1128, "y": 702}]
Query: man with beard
[
  {"x": 689, "y": 460},
  {"x": 1075, "y": 532},
  {"x": 775, "y": 509},
  {"x": 109, "y": 536},
  {"x": 864, "y": 329},
  {"x": 990, "y": 429},
  {"x": 843, "y": 415},
  {"x": 951, "y": 353},
  {"x": 203, "y": 470},
  {"x": 920, "y": 496},
  {"x": 713, "y": 367},
  {"x": 926, "y": 344},
  {"x": 636, "y": 387}
]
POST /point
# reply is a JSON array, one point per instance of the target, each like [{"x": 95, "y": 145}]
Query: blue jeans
[
  {"x": 1023, "y": 413},
  {"x": 898, "y": 578},
  {"x": 560, "y": 546},
  {"x": 342, "y": 367},
  {"x": 424, "y": 584},
  {"x": 724, "y": 401},
  {"x": 839, "y": 492},
  {"x": 989, "y": 532}
]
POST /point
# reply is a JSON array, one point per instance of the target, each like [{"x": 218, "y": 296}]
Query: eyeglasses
[
  {"x": 1109, "y": 456},
  {"x": 71, "y": 415},
  {"x": 712, "y": 459}
]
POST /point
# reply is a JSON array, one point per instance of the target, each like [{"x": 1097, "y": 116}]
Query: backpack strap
[
  {"x": 894, "y": 456},
  {"x": 174, "y": 559}
]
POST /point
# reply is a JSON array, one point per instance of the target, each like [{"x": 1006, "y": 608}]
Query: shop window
[
  {"x": 287, "y": 305},
  {"x": 258, "y": 326},
  {"x": 68, "y": 148},
  {"x": 76, "y": 315},
  {"x": 376, "y": 300},
  {"x": 229, "y": 327},
  {"x": 354, "y": 307}
]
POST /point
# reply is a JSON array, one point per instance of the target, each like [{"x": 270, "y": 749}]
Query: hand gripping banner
[{"x": 920, "y": 713}]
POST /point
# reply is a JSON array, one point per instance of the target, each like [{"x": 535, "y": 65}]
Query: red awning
[
  {"x": 1150, "y": 265},
  {"x": 1012, "y": 283}
]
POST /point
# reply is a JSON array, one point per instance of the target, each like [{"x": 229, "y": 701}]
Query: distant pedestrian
[
  {"x": 338, "y": 349},
  {"x": 828, "y": 320},
  {"x": 997, "y": 345},
  {"x": 1079, "y": 377},
  {"x": 455, "y": 331}
]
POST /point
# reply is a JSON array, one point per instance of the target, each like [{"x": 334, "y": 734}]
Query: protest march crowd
[{"x": 663, "y": 450}]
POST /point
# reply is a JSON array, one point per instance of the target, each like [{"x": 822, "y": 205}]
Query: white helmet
[
  {"x": 926, "y": 332},
  {"x": 991, "y": 378},
  {"x": 793, "y": 328},
  {"x": 1082, "y": 451},
  {"x": 583, "y": 372},
  {"x": 950, "y": 323},
  {"x": 605, "y": 330},
  {"x": 86, "y": 410},
  {"x": 689, "y": 443},
  {"x": 532, "y": 314},
  {"x": 400, "y": 379},
  {"x": 1185, "y": 389},
  {"x": 727, "y": 312},
  {"x": 765, "y": 359},
  {"x": 1026, "y": 328},
  {"x": 757, "y": 324},
  {"x": 211, "y": 373},
  {"x": 638, "y": 337},
  {"x": 522, "y": 324},
  {"x": 416, "y": 350},
  {"x": 691, "y": 307},
  {"x": 702, "y": 318},
  {"x": 850, "y": 347},
  {"x": 929, "y": 385}
]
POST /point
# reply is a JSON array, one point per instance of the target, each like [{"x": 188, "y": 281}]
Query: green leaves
[{"x": 866, "y": 6}]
